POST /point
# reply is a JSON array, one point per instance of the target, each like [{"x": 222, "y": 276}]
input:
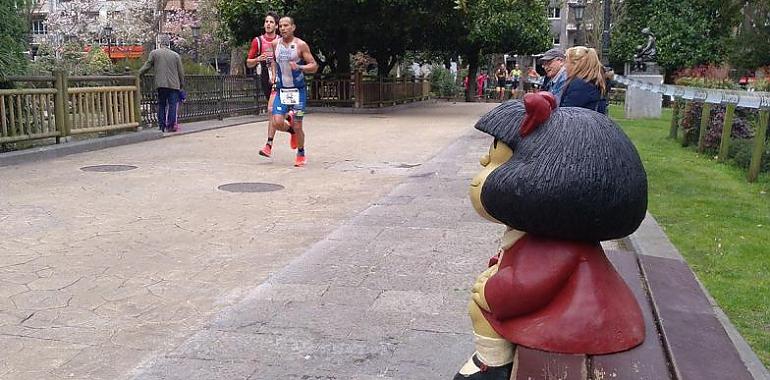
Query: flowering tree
[
  {"x": 179, "y": 24},
  {"x": 73, "y": 20},
  {"x": 133, "y": 21}
]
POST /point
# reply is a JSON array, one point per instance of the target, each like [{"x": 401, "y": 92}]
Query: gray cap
[{"x": 552, "y": 54}]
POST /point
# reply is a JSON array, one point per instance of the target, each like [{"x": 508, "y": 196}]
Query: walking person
[
  {"x": 292, "y": 60},
  {"x": 169, "y": 80},
  {"x": 501, "y": 74},
  {"x": 481, "y": 80},
  {"x": 555, "y": 73},
  {"x": 586, "y": 86},
  {"x": 261, "y": 55},
  {"x": 515, "y": 79}
]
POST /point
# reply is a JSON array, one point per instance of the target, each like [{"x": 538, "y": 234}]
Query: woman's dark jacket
[{"x": 579, "y": 93}]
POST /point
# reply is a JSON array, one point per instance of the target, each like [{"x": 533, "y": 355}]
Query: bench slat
[
  {"x": 535, "y": 364},
  {"x": 646, "y": 361},
  {"x": 700, "y": 348}
]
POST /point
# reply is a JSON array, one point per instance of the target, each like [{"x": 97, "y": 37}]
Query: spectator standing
[
  {"x": 586, "y": 87},
  {"x": 515, "y": 78},
  {"x": 169, "y": 80},
  {"x": 556, "y": 74},
  {"x": 481, "y": 81},
  {"x": 532, "y": 78}
]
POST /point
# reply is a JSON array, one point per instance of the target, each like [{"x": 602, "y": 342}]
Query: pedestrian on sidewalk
[
  {"x": 292, "y": 60},
  {"x": 261, "y": 56},
  {"x": 169, "y": 80}
]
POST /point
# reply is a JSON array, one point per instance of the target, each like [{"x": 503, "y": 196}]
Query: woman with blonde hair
[{"x": 585, "y": 86}]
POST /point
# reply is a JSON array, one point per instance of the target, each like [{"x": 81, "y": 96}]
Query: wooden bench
[{"x": 686, "y": 338}]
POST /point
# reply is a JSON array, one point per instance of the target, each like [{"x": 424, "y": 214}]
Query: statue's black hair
[{"x": 577, "y": 176}]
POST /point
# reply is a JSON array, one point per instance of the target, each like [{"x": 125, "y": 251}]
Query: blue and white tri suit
[{"x": 286, "y": 78}]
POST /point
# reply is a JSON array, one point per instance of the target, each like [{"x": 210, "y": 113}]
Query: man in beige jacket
[{"x": 169, "y": 80}]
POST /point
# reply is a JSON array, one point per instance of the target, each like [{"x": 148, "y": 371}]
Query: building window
[
  {"x": 38, "y": 27},
  {"x": 554, "y": 12},
  {"x": 556, "y": 39}
]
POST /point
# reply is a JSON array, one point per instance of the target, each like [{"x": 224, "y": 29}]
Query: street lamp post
[
  {"x": 108, "y": 34},
  {"x": 196, "y": 32},
  {"x": 606, "y": 32},
  {"x": 578, "y": 7}
]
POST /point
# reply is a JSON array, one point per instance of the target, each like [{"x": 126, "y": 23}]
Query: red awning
[{"x": 121, "y": 52}]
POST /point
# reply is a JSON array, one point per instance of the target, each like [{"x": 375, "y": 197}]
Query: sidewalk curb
[
  {"x": 377, "y": 110},
  {"x": 650, "y": 240},
  {"x": 60, "y": 150}
]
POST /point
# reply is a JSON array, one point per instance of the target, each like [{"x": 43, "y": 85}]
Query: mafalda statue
[{"x": 562, "y": 180}]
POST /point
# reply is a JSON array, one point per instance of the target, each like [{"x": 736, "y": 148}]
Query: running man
[
  {"x": 261, "y": 53},
  {"x": 292, "y": 60}
]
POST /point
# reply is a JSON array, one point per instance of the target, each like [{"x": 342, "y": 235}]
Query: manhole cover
[
  {"x": 107, "y": 168},
  {"x": 250, "y": 187}
]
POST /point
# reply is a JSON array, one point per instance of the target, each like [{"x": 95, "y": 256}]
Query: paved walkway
[{"x": 120, "y": 275}]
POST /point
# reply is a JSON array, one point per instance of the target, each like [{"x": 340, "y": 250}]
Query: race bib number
[{"x": 290, "y": 96}]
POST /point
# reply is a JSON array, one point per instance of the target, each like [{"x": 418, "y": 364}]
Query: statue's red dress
[{"x": 562, "y": 296}]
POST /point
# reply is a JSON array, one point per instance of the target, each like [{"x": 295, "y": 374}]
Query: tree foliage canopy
[
  {"x": 688, "y": 33},
  {"x": 387, "y": 29},
  {"x": 13, "y": 29},
  {"x": 751, "y": 48}
]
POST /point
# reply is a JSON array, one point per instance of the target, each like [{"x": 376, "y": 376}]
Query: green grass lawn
[{"x": 718, "y": 221}]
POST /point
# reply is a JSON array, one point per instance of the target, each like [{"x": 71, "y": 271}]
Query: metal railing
[
  {"x": 708, "y": 98},
  {"x": 59, "y": 106},
  {"x": 208, "y": 97}
]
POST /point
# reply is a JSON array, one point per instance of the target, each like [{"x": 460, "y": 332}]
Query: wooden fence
[
  {"x": 362, "y": 91},
  {"x": 57, "y": 107}
]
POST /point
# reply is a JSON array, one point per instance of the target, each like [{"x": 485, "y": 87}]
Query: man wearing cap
[
  {"x": 169, "y": 80},
  {"x": 555, "y": 72}
]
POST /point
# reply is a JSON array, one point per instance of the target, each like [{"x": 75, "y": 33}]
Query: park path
[{"x": 102, "y": 274}]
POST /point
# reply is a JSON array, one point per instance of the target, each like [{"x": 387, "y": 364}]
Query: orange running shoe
[
  {"x": 266, "y": 151},
  {"x": 300, "y": 161}
]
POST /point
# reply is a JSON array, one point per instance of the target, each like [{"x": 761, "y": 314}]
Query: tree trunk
[
  {"x": 473, "y": 66},
  {"x": 237, "y": 62},
  {"x": 343, "y": 61}
]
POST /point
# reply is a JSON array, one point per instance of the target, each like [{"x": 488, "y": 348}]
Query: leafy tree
[
  {"x": 12, "y": 33},
  {"x": 491, "y": 26},
  {"x": 385, "y": 29},
  {"x": 751, "y": 49},
  {"x": 688, "y": 33}
]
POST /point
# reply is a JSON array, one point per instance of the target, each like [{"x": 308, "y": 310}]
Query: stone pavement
[{"x": 108, "y": 275}]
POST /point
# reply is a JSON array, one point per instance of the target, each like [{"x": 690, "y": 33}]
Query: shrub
[
  {"x": 97, "y": 62},
  {"x": 691, "y": 119},
  {"x": 443, "y": 83},
  {"x": 740, "y": 154}
]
